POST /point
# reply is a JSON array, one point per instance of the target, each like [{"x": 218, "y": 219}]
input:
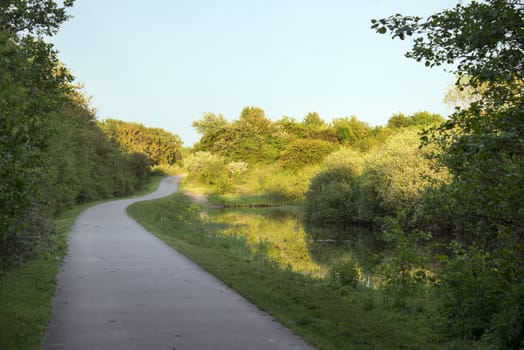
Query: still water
[{"x": 279, "y": 235}]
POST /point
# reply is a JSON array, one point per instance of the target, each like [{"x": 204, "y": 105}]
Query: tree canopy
[
  {"x": 483, "y": 148},
  {"x": 160, "y": 146},
  {"x": 52, "y": 153},
  {"x": 32, "y": 17}
]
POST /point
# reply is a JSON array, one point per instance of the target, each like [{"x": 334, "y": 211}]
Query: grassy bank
[
  {"x": 26, "y": 290},
  {"x": 326, "y": 316}
]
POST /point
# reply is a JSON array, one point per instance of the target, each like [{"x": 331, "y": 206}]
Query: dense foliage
[
  {"x": 280, "y": 157},
  {"x": 255, "y": 139},
  {"x": 159, "y": 146},
  {"x": 455, "y": 185},
  {"x": 481, "y": 283},
  {"x": 52, "y": 154},
  {"x": 363, "y": 188}
]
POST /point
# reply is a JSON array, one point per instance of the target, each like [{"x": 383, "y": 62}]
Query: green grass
[
  {"x": 235, "y": 200},
  {"x": 253, "y": 200},
  {"x": 26, "y": 290},
  {"x": 325, "y": 316}
]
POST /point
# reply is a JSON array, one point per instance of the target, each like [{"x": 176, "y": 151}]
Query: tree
[
  {"x": 483, "y": 142},
  {"x": 483, "y": 148},
  {"x": 396, "y": 176},
  {"x": 351, "y": 131},
  {"x": 159, "y": 145},
  {"x": 313, "y": 121},
  {"x": 211, "y": 127},
  {"x": 462, "y": 95},
  {"x": 484, "y": 39},
  {"x": 52, "y": 154},
  {"x": 31, "y": 86},
  {"x": 252, "y": 137},
  {"x": 32, "y": 17},
  {"x": 292, "y": 127},
  {"x": 328, "y": 199},
  {"x": 421, "y": 119},
  {"x": 302, "y": 152},
  {"x": 398, "y": 120}
]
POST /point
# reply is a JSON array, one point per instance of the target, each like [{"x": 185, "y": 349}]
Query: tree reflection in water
[{"x": 279, "y": 235}]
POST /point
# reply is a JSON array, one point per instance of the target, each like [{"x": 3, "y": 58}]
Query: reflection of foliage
[
  {"x": 329, "y": 245},
  {"x": 403, "y": 271},
  {"x": 279, "y": 240}
]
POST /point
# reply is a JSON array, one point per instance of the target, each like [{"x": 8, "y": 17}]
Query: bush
[
  {"x": 404, "y": 268},
  {"x": 395, "y": 177},
  {"x": 302, "y": 152},
  {"x": 347, "y": 158},
  {"x": 209, "y": 169},
  {"x": 281, "y": 185},
  {"x": 344, "y": 274},
  {"x": 328, "y": 199},
  {"x": 237, "y": 171},
  {"x": 507, "y": 330},
  {"x": 469, "y": 293}
]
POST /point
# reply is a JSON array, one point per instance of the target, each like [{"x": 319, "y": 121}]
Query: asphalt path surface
[{"x": 122, "y": 288}]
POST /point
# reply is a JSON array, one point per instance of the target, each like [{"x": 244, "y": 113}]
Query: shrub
[
  {"x": 395, "y": 177},
  {"x": 469, "y": 293},
  {"x": 344, "y": 274},
  {"x": 302, "y": 152},
  {"x": 328, "y": 199},
  {"x": 237, "y": 170},
  {"x": 347, "y": 158},
  {"x": 281, "y": 185},
  {"x": 404, "y": 269}
]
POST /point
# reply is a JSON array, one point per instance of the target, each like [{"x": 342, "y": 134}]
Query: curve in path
[{"x": 122, "y": 288}]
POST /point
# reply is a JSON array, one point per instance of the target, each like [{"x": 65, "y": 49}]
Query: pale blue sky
[{"x": 166, "y": 62}]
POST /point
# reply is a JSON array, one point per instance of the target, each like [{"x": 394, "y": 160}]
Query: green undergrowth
[
  {"x": 326, "y": 315},
  {"x": 247, "y": 198},
  {"x": 26, "y": 290},
  {"x": 252, "y": 200}
]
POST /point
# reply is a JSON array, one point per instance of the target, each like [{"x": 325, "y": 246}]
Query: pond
[{"x": 279, "y": 235}]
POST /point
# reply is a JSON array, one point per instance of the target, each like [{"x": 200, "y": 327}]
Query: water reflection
[{"x": 279, "y": 234}]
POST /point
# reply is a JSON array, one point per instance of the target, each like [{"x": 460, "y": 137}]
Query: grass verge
[
  {"x": 326, "y": 317},
  {"x": 26, "y": 290}
]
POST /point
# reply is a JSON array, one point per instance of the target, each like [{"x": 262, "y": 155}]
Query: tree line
[
  {"x": 53, "y": 152},
  {"x": 254, "y": 148}
]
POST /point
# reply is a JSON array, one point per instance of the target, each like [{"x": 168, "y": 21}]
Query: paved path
[{"x": 122, "y": 288}]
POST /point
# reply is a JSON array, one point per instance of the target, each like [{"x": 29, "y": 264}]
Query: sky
[{"x": 164, "y": 63}]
